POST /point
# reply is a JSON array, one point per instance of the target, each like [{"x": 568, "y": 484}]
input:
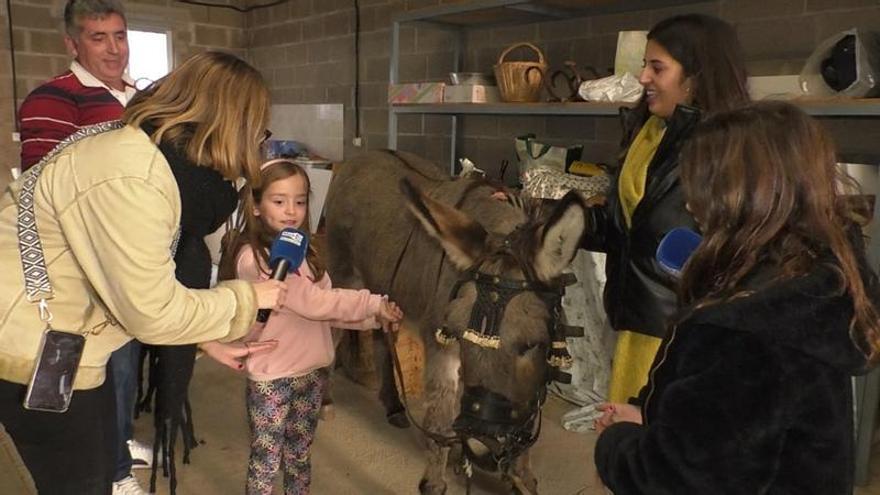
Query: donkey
[{"x": 478, "y": 274}]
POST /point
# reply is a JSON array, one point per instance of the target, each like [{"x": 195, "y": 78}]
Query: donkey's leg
[
  {"x": 521, "y": 475},
  {"x": 388, "y": 395},
  {"x": 442, "y": 399}
]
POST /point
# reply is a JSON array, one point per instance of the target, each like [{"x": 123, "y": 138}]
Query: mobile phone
[{"x": 51, "y": 385}]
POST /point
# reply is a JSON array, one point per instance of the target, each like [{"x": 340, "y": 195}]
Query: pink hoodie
[{"x": 302, "y": 326}]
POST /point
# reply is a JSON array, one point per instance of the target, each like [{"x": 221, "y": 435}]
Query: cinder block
[
  {"x": 375, "y": 17},
  {"x": 312, "y": 31},
  {"x": 518, "y": 125},
  {"x": 238, "y": 39},
  {"x": 626, "y": 21},
  {"x": 338, "y": 24},
  {"x": 413, "y": 68},
  {"x": 32, "y": 16},
  {"x": 481, "y": 125},
  {"x": 341, "y": 93},
  {"x": 377, "y": 70},
  {"x": 288, "y": 32},
  {"x": 439, "y": 65},
  {"x": 211, "y": 36},
  {"x": 376, "y": 120},
  {"x": 762, "y": 39},
  {"x": 315, "y": 94},
  {"x": 297, "y": 54},
  {"x": 341, "y": 50},
  {"x": 199, "y": 13},
  {"x": 20, "y": 38},
  {"x": 226, "y": 17},
  {"x": 49, "y": 42},
  {"x": 823, "y": 5},
  {"x": 33, "y": 65},
  {"x": 318, "y": 52},
  {"x": 410, "y": 124},
  {"x": 374, "y": 94},
  {"x": 760, "y": 9},
  {"x": 433, "y": 40},
  {"x": 571, "y": 128},
  {"x": 831, "y": 23},
  {"x": 300, "y": 9},
  {"x": 579, "y": 27}
]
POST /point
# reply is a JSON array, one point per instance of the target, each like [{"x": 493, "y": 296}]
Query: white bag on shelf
[{"x": 619, "y": 87}]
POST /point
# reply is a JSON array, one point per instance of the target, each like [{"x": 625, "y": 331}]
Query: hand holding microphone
[{"x": 287, "y": 254}]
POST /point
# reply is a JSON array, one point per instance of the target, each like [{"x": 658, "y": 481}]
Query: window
[{"x": 149, "y": 55}]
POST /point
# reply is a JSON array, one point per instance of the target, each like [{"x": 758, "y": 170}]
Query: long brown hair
[
  {"x": 214, "y": 107},
  {"x": 255, "y": 234},
  {"x": 763, "y": 184},
  {"x": 710, "y": 54}
]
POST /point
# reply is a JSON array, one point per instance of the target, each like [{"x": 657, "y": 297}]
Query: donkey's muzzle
[{"x": 492, "y": 428}]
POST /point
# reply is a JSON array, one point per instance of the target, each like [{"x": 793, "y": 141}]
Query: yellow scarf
[{"x": 634, "y": 174}]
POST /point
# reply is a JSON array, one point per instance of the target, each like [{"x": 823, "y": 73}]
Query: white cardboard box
[
  {"x": 774, "y": 87},
  {"x": 471, "y": 93}
]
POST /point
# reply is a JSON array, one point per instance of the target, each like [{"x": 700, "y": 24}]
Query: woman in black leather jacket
[
  {"x": 693, "y": 66},
  {"x": 751, "y": 390}
]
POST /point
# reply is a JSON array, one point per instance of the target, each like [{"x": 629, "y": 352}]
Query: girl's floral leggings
[{"x": 283, "y": 415}]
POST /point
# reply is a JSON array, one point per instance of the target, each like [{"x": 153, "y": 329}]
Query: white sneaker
[
  {"x": 128, "y": 486},
  {"x": 141, "y": 454}
]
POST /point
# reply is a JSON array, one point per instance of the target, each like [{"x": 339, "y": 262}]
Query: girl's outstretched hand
[
  {"x": 613, "y": 412},
  {"x": 234, "y": 354},
  {"x": 389, "y": 316}
]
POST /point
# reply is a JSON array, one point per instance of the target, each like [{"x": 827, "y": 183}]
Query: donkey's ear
[
  {"x": 463, "y": 239},
  {"x": 559, "y": 238}
]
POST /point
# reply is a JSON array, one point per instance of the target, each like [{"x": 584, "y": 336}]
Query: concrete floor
[
  {"x": 355, "y": 453},
  {"x": 358, "y": 453}
]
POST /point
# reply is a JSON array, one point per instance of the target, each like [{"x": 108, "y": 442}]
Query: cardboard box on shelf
[
  {"x": 471, "y": 93},
  {"x": 784, "y": 87},
  {"x": 426, "y": 92}
]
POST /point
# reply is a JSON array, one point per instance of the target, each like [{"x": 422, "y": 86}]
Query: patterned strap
[{"x": 36, "y": 278}]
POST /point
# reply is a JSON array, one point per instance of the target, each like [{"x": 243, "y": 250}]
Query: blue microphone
[
  {"x": 287, "y": 254},
  {"x": 675, "y": 248}
]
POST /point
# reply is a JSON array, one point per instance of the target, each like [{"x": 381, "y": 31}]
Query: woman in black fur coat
[{"x": 751, "y": 390}]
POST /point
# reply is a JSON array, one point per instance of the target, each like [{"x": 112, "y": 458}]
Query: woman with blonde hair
[
  {"x": 88, "y": 239},
  {"x": 751, "y": 389}
]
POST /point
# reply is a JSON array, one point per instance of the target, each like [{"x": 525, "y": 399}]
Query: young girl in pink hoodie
[{"x": 285, "y": 382}]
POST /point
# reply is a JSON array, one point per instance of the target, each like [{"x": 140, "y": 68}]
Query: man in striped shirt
[{"x": 95, "y": 89}]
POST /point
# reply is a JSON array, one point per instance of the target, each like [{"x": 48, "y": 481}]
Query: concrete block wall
[
  {"x": 305, "y": 49},
  {"x": 37, "y": 27}
]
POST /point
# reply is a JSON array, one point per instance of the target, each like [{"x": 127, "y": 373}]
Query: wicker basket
[{"x": 520, "y": 81}]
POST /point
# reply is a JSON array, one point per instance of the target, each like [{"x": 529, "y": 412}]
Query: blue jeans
[{"x": 124, "y": 364}]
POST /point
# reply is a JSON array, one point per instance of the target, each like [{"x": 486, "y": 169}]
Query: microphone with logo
[
  {"x": 675, "y": 248},
  {"x": 287, "y": 254}
]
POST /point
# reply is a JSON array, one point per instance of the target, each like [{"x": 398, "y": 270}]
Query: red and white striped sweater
[{"x": 59, "y": 108}]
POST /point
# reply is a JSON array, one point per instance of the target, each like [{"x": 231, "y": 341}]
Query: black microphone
[{"x": 287, "y": 254}]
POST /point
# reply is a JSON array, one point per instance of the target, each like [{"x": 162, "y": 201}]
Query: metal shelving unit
[
  {"x": 479, "y": 14},
  {"x": 860, "y": 107},
  {"x": 458, "y": 18}
]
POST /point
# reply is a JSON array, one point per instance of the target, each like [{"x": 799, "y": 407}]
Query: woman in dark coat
[
  {"x": 751, "y": 390},
  {"x": 693, "y": 68},
  {"x": 206, "y": 202}
]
